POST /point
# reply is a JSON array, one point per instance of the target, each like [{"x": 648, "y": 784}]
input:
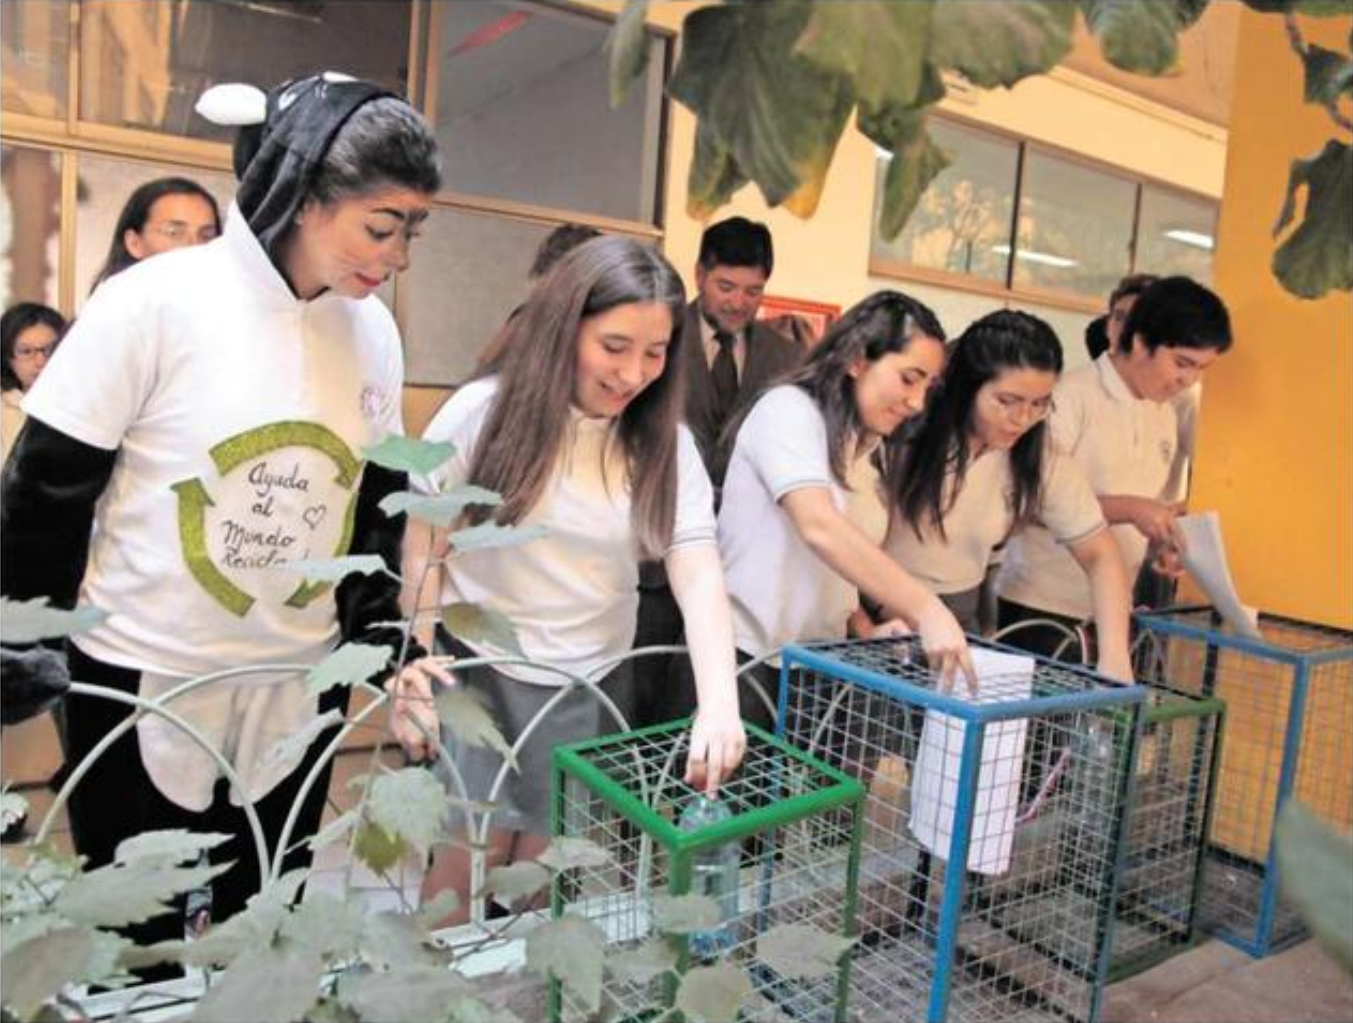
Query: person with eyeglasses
[
  {"x": 160, "y": 216},
  {"x": 1116, "y": 419},
  {"x": 982, "y": 467},
  {"x": 31, "y": 332}
]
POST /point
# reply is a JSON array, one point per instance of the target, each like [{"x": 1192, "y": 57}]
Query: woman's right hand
[
  {"x": 945, "y": 645},
  {"x": 1158, "y": 522},
  {"x": 413, "y": 714}
]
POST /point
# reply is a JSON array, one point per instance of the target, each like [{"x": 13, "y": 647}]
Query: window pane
[
  {"x": 105, "y": 185},
  {"x": 962, "y": 223},
  {"x": 522, "y": 112},
  {"x": 30, "y": 221},
  {"x": 1075, "y": 226},
  {"x": 145, "y": 64},
  {"x": 34, "y": 47},
  {"x": 1176, "y": 234}
]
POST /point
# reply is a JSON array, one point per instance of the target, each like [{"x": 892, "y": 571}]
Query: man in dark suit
[{"x": 730, "y": 358}]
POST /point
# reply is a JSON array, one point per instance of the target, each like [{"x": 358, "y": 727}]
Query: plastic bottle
[{"x": 714, "y": 873}]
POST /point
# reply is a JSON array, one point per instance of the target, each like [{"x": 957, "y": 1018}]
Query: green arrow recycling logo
[{"x": 286, "y": 492}]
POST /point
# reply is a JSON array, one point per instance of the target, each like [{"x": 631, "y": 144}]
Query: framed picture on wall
[{"x": 797, "y": 318}]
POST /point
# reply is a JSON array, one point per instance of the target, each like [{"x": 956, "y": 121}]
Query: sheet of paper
[
  {"x": 1205, "y": 559},
  {"x": 934, "y": 793}
]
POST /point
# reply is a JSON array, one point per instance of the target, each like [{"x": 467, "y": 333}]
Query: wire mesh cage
[
  {"x": 790, "y": 825},
  {"x": 1161, "y": 881},
  {"x": 1289, "y": 734},
  {"x": 1024, "y": 783}
]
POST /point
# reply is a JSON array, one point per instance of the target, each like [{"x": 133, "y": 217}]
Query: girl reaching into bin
[
  {"x": 575, "y": 424},
  {"x": 803, "y": 510},
  {"x": 202, "y": 424},
  {"x": 981, "y": 466}
]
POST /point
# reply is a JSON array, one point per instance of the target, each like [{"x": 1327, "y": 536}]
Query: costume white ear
[{"x": 233, "y": 104}]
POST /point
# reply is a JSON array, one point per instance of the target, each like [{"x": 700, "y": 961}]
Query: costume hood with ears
[{"x": 282, "y": 139}]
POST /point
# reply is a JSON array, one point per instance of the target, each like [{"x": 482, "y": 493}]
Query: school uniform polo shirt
[
  {"x": 1125, "y": 446},
  {"x": 780, "y": 590},
  {"x": 572, "y": 593},
  {"x": 981, "y": 517},
  {"x": 239, "y": 414}
]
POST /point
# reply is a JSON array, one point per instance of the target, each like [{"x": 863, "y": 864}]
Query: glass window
[
  {"x": 1075, "y": 226},
  {"x": 962, "y": 222},
  {"x": 1176, "y": 234},
  {"x": 30, "y": 225},
  {"x": 522, "y": 112},
  {"x": 145, "y": 64},
  {"x": 35, "y": 48},
  {"x": 104, "y": 187}
]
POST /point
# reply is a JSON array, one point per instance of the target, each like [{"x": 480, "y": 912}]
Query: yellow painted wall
[{"x": 1275, "y": 445}]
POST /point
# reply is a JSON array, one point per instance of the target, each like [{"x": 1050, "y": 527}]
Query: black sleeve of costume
[
  {"x": 364, "y": 601},
  {"x": 50, "y": 486}
]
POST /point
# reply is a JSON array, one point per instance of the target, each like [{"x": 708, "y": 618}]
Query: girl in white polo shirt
[
  {"x": 1115, "y": 419},
  {"x": 204, "y": 422},
  {"x": 981, "y": 467},
  {"x": 575, "y": 424},
  {"x": 803, "y": 512}
]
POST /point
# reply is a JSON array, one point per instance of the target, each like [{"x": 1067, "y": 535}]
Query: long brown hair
[
  {"x": 876, "y": 326},
  {"x": 536, "y": 365}
]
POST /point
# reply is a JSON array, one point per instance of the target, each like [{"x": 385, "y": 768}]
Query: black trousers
[
  {"x": 1039, "y": 639},
  {"x": 117, "y": 800}
]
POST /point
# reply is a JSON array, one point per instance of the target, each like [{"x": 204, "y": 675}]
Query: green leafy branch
[{"x": 773, "y": 84}]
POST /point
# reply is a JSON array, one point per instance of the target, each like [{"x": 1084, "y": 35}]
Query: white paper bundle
[{"x": 934, "y": 792}]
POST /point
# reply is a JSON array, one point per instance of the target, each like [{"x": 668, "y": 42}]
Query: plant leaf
[
  {"x": 466, "y": 714},
  {"x": 490, "y": 534},
  {"x": 293, "y": 747},
  {"x": 627, "y": 49},
  {"x": 29, "y": 621},
  {"x": 352, "y": 662},
  {"x": 394, "y": 940},
  {"x": 335, "y": 570},
  {"x": 401, "y": 995},
  {"x": 121, "y": 894},
  {"x": 713, "y": 994},
  {"x": 1318, "y": 256},
  {"x": 915, "y": 163},
  {"x": 33, "y": 971},
  {"x": 564, "y": 853},
  {"x": 570, "y": 948},
  {"x": 1313, "y": 861},
  {"x": 714, "y": 175},
  {"x": 438, "y": 509},
  {"x": 409, "y": 454},
  {"x": 515, "y": 881},
  {"x": 474, "y": 623},
  {"x": 377, "y": 848},
  {"x": 684, "y": 914},
  {"x": 801, "y": 951},
  {"x": 431, "y": 911},
  {"x": 879, "y": 48},
  {"x": 1327, "y": 74},
  {"x": 999, "y": 44},
  {"x": 172, "y": 846},
  {"x": 13, "y": 807},
  {"x": 1137, "y": 35},
  {"x": 648, "y": 961},
  {"x": 324, "y": 926},
  {"x": 1313, "y": 8},
  {"x": 409, "y": 803},
  {"x": 267, "y": 985},
  {"x": 779, "y": 115}
]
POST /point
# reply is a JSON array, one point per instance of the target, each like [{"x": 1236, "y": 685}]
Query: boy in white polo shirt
[{"x": 1115, "y": 419}]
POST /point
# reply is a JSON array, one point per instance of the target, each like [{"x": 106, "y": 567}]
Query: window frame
[{"x": 1009, "y": 292}]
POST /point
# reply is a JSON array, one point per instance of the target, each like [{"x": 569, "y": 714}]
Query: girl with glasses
[
  {"x": 161, "y": 215},
  {"x": 30, "y": 332},
  {"x": 982, "y": 466}
]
